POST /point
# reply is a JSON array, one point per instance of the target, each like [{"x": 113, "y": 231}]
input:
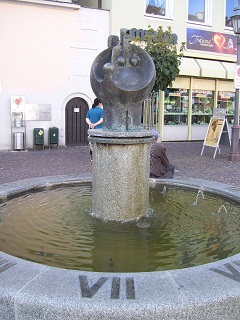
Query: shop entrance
[{"x": 75, "y": 126}]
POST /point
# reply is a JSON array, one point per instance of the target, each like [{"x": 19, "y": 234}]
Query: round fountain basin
[
  {"x": 184, "y": 227},
  {"x": 29, "y": 290}
]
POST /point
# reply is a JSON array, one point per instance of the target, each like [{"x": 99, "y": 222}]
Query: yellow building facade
[{"x": 206, "y": 79}]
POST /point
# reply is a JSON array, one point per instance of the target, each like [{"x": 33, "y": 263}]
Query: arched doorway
[{"x": 76, "y": 126}]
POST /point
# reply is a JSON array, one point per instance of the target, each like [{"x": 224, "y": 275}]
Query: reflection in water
[{"x": 55, "y": 227}]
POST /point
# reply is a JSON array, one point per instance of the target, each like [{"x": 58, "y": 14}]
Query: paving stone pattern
[{"x": 18, "y": 165}]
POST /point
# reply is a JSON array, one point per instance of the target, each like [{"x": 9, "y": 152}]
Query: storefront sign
[
  {"x": 211, "y": 41},
  {"x": 140, "y": 33}
]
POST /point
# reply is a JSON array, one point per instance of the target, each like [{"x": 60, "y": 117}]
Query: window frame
[
  {"x": 207, "y": 13},
  {"x": 230, "y": 28},
  {"x": 168, "y": 14}
]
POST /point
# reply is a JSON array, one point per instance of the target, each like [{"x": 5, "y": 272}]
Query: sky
[{"x": 195, "y": 6}]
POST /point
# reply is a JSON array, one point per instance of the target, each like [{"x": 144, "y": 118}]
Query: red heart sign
[{"x": 219, "y": 40}]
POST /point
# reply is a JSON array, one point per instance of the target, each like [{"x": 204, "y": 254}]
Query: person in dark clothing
[{"x": 159, "y": 163}]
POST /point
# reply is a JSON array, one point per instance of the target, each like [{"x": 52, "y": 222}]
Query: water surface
[{"x": 183, "y": 228}]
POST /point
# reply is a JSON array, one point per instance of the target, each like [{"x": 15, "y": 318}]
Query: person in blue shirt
[{"x": 94, "y": 116}]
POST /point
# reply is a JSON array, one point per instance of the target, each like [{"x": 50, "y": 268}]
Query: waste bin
[
  {"x": 18, "y": 141},
  {"x": 38, "y": 137},
  {"x": 53, "y": 136}
]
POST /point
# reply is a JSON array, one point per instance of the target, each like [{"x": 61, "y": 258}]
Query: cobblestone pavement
[{"x": 18, "y": 165}]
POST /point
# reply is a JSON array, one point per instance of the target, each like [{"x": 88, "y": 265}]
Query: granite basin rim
[{"x": 120, "y": 134}]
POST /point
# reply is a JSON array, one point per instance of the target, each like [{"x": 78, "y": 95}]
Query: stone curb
[{"x": 33, "y": 291}]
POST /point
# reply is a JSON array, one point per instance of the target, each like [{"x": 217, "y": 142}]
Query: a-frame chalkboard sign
[{"x": 217, "y": 131}]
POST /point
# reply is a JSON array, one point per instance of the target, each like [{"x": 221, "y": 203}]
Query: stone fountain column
[{"x": 122, "y": 76}]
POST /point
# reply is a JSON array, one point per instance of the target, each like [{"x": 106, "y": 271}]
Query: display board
[
  {"x": 214, "y": 132},
  {"x": 217, "y": 131},
  {"x": 38, "y": 112}
]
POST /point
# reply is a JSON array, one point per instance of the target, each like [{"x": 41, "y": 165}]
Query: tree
[{"x": 160, "y": 46}]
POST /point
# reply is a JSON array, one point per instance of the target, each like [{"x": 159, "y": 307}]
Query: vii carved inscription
[
  {"x": 126, "y": 287},
  {"x": 89, "y": 292}
]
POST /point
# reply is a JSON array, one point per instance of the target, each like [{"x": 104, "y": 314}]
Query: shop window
[
  {"x": 226, "y": 100},
  {"x": 202, "y": 106},
  {"x": 159, "y": 8},
  {"x": 175, "y": 106},
  {"x": 200, "y": 11},
  {"x": 229, "y": 6}
]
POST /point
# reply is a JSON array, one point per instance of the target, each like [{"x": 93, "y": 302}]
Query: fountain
[
  {"x": 222, "y": 207},
  {"x": 200, "y": 192},
  {"x": 122, "y": 76},
  {"x": 120, "y": 167}
]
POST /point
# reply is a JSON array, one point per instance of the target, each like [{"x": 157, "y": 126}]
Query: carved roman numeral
[
  {"x": 233, "y": 273},
  {"x": 88, "y": 292},
  {"x": 5, "y": 264}
]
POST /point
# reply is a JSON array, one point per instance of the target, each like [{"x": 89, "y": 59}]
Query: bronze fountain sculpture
[{"x": 122, "y": 76}]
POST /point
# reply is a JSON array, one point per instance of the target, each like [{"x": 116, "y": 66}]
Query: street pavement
[{"x": 186, "y": 156}]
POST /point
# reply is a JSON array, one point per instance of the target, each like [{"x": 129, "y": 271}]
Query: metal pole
[{"x": 234, "y": 154}]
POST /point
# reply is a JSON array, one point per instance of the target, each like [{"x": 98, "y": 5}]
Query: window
[
  {"x": 226, "y": 100},
  {"x": 202, "y": 106},
  {"x": 159, "y": 8},
  {"x": 229, "y": 6},
  {"x": 175, "y": 106},
  {"x": 199, "y": 11}
]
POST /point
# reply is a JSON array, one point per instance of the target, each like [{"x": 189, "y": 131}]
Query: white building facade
[
  {"x": 47, "y": 49},
  {"x": 206, "y": 78}
]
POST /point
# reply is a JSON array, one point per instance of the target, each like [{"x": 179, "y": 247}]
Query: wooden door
[{"x": 75, "y": 126}]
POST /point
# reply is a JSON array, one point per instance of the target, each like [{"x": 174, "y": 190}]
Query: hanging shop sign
[
  {"x": 237, "y": 77},
  {"x": 211, "y": 41}
]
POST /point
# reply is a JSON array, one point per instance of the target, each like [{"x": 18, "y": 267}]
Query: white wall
[{"x": 46, "y": 56}]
